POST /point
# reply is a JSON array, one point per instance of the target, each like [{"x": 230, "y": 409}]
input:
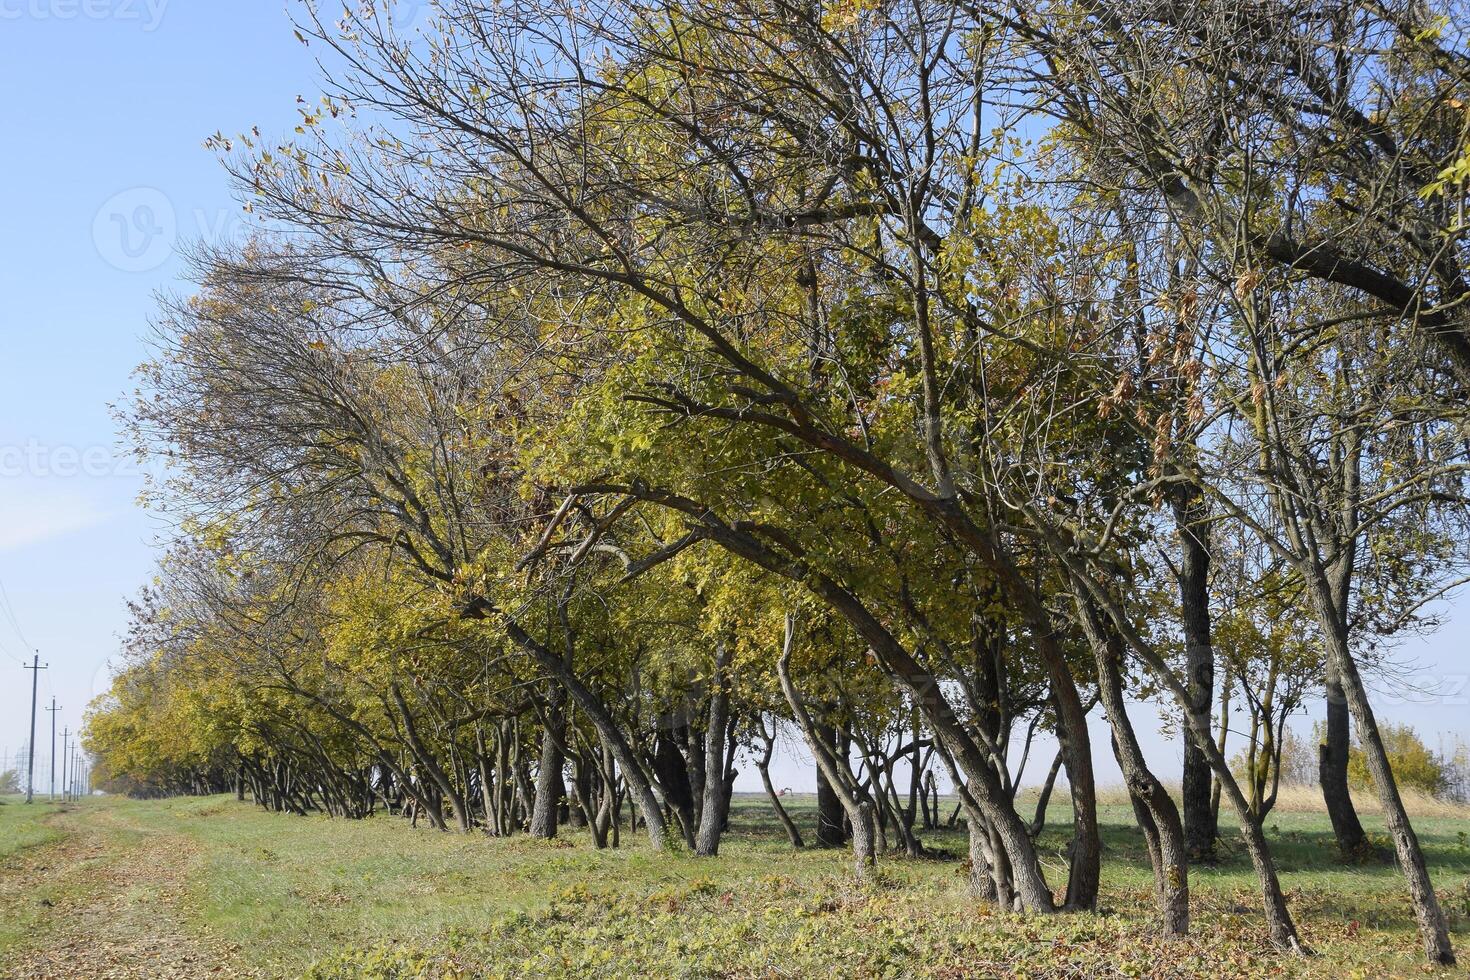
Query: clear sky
[{"x": 104, "y": 106}]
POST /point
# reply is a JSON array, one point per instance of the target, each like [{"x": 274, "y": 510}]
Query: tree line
[{"x": 606, "y": 386}]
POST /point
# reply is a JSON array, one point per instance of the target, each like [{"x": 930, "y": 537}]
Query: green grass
[
  {"x": 23, "y": 825},
  {"x": 378, "y": 898}
]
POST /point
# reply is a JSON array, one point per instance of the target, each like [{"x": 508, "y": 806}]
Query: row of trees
[{"x": 609, "y": 383}]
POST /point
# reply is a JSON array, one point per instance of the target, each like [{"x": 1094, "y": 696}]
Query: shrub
[
  {"x": 9, "y": 782},
  {"x": 1414, "y": 765}
]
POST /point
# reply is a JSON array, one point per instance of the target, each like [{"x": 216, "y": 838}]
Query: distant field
[{"x": 211, "y": 887}]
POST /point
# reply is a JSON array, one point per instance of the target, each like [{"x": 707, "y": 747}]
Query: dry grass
[
  {"x": 1291, "y": 799},
  {"x": 1308, "y": 799}
]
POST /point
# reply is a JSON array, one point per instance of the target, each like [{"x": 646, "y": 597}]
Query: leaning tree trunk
[
  {"x": 990, "y": 877},
  {"x": 1278, "y": 916},
  {"x": 1157, "y": 815},
  {"x": 431, "y": 765},
  {"x": 928, "y": 694},
  {"x": 1085, "y": 867},
  {"x": 1332, "y": 770},
  {"x": 640, "y": 787},
  {"x": 787, "y": 824},
  {"x": 1043, "y": 798},
  {"x": 1022, "y": 865},
  {"x": 1433, "y": 929},
  {"x": 858, "y": 807}
]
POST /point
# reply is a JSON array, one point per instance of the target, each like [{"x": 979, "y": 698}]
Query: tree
[{"x": 619, "y": 381}]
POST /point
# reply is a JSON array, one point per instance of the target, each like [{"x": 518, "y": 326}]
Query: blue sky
[{"x": 104, "y": 106}]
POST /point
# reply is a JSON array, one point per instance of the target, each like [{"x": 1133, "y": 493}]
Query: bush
[{"x": 1414, "y": 765}]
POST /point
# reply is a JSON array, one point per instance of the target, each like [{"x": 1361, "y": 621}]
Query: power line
[
  {"x": 6, "y": 650},
  {"x": 10, "y": 615}
]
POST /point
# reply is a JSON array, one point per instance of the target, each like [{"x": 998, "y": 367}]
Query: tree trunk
[
  {"x": 1157, "y": 815},
  {"x": 830, "y": 829},
  {"x": 607, "y": 815},
  {"x": 525, "y": 796},
  {"x": 864, "y": 850},
  {"x": 1278, "y": 917},
  {"x": 981, "y": 878},
  {"x": 673, "y": 777},
  {"x": 856, "y": 804},
  {"x": 1084, "y": 870},
  {"x": 1043, "y": 798},
  {"x": 581, "y": 813},
  {"x": 431, "y": 765},
  {"x": 593, "y": 709},
  {"x": 990, "y": 870},
  {"x": 989, "y": 795},
  {"x": 716, "y": 803},
  {"x": 1223, "y": 729},
  {"x": 787, "y": 824},
  {"x": 692, "y": 748},
  {"x": 487, "y": 784},
  {"x": 1433, "y": 930},
  {"x": 1332, "y": 770},
  {"x": 1200, "y": 829},
  {"x": 550, "y": 785}
]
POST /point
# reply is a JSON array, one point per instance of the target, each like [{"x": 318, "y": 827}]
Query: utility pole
[
  {"x": 65, "y": 786},
  {"x": 31, "y": 757},
  {"x": 51, "y": 792}
]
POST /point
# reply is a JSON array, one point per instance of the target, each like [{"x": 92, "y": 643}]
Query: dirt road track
[{"x": 109, "y": 902}]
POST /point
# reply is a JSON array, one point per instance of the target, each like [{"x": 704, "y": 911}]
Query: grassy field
[
  {"x": 22, "y": 826},
  {"x": 211, "y": 887}
]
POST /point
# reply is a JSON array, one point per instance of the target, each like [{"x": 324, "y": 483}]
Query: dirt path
[{"x": 107, "y": 901}]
